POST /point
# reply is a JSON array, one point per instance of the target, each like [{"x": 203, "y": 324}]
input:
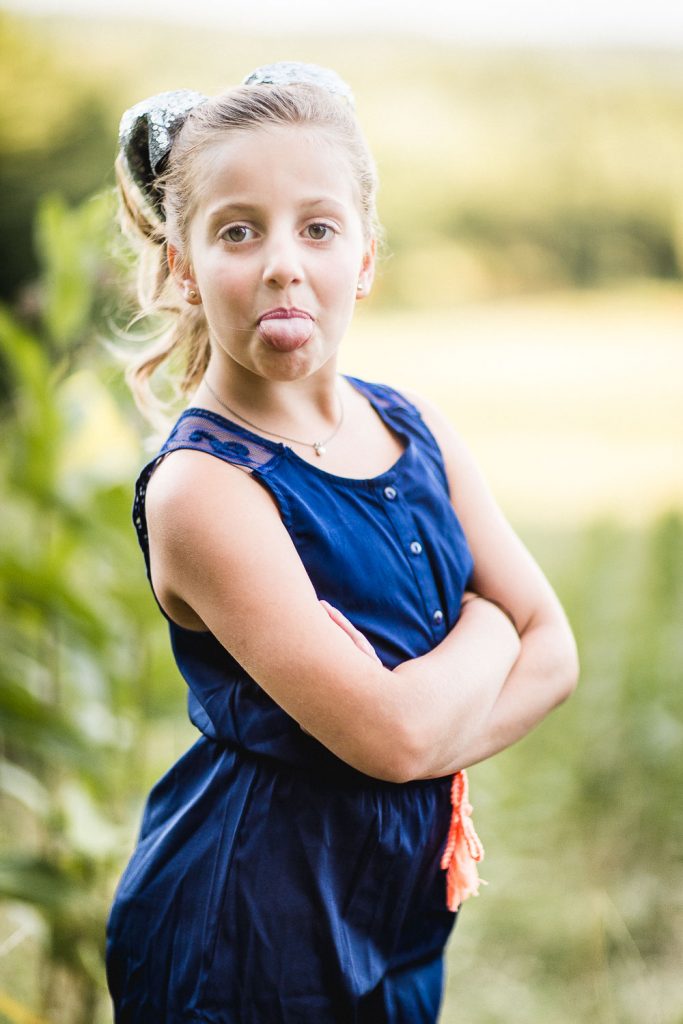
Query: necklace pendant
[{"x": 319, "y": 448}]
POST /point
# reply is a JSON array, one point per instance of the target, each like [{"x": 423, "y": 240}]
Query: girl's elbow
[
  {"x": 400, "y": 763},
  {"x": 400, "y": 758},
  {"x": 568, "y": 671},
  {"x": 384, "y": 750},
  {"x": 422, "y": 750},
  {"x": 387, "y": 767},
  {"x": 558, "y": 666},
  {"x": 575, "y": 675}
]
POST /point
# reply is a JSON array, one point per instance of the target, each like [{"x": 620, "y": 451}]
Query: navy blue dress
[{"x": 271, "y": 882}]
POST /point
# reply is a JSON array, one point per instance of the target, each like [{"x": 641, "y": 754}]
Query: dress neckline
[{"x": 286, "y": 451}]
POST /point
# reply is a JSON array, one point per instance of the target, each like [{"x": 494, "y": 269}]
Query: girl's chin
[
  {"x": 277, "y": 364},
  {"x": 299, "y": 364}
]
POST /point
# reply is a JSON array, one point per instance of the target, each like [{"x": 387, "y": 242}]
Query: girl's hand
[
  {"x": 364, "y": 644},
  {"x": 359, "y": 640}
]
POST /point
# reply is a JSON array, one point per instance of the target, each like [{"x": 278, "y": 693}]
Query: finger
[
  {"x": 345, "y": 623},
  {"x": 360, "y": 640},
  {"x": 338, "y": 616}
]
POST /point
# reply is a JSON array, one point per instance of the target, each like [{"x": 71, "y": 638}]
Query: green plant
[{"x": 79, "y": 632}]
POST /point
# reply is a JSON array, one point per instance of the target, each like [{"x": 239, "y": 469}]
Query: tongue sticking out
[{"x": 286, "y": 334}]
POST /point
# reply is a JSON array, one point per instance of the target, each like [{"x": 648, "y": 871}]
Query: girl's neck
[{"x": 307, "y": 408}]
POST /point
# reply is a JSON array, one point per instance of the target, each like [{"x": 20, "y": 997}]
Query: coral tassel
[{"x": 463, "y": 848}]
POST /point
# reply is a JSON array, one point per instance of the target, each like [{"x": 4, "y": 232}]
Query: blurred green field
[{"x": 571, "y": 401}]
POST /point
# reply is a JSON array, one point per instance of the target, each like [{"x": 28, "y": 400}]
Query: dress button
[
  {"x": 390, "y": 493},
  {"x": 416, "y": 547},
  {"x": 438, "y": 616}
]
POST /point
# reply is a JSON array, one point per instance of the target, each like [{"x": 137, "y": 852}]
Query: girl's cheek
[{"x": 229, "y": 274}]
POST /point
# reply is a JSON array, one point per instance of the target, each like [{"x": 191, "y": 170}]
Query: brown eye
[
  {"x": 237, "y": 233},
  {"x": 319, "y": 232}
]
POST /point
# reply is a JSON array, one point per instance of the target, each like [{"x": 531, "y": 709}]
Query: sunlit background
[{"x": 531, "y": 164}]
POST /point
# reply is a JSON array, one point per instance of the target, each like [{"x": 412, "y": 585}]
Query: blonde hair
[{"x": 182, "y": 337}]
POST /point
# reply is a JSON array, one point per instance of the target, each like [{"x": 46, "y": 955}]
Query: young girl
[{"x": 309, "y": 537}]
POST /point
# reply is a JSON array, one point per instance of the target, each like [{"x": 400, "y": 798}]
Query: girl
[{"x": 309, "y": 537}]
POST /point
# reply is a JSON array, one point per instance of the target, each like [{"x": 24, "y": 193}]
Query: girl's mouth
[
  {"x": 285, "y": 329},
  {"x": 284, "y": 313}
]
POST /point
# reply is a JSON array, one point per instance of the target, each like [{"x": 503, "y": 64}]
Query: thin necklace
[{"x": 317, "y": 446}]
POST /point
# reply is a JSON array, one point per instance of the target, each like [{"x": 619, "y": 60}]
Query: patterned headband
[{"x": 147, "y": 130}]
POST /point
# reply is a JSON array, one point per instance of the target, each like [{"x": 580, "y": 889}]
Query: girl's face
[{"x": 276, "y": 232}]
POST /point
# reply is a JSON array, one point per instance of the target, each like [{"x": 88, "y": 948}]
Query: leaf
[
  {"x": 37, "y": 881},
  {"x": 25, "y": 358},
  {"x": 69, "y": 244},
  {"x": 23, "y": 786}
]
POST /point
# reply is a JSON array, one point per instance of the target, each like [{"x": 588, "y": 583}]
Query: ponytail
[{"x": 182, "y": 335}]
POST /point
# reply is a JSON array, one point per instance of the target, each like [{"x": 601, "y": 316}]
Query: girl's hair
[{"x": 183, "y": 337}]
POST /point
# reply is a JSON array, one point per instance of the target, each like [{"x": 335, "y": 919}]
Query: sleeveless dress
[{"x": 272, "y": 883}]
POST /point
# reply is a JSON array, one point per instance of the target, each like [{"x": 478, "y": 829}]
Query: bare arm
[
  {"x": 230, "y": 563},
  {"x": 456, "y": 685},
  {"x": 535, "y": 686},
  {"x": 547, "y": 668}
]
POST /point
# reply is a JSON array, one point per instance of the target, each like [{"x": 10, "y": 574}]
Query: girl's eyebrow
[
  {"x": 224, "y": 209},
  {"x": 239, "y": 208},
  {"x": 323, "y": 201}
]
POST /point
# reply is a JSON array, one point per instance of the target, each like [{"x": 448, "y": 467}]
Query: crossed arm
[
  {"x": 547, "y": 668},
  {"x": 478, "y": 691}
]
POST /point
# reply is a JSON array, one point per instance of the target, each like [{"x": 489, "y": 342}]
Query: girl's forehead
[{"x": 274, "y": 161}]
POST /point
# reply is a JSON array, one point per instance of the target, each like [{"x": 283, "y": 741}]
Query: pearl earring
[
  {"x": 359, "y": 287},
  {"x": 190, "y": 294}
]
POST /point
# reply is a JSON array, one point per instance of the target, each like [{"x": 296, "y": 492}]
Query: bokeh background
[{"x": 532, "y": 194}]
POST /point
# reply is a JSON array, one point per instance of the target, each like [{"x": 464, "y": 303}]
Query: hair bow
[
  {"x": 146, "y": 135},
  {"x": 288, "y": 72},
  {"x": 147, "y": 130}
]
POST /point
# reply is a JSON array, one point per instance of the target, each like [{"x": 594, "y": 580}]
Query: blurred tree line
[
  {"x": 55, "y": 136},
  {"x": 525, "y": 171}
]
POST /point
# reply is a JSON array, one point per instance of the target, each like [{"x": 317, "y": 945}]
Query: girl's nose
[{"x": 282, "y": 266}]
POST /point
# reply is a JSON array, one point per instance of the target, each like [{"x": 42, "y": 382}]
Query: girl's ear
[
  {"x": 367, "y": 270},
  {"x": 182, "y": 275}
]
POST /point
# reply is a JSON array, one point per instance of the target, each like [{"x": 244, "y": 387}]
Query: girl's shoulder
[
  {"x": 385, "y": 395},
  {"x": 172, "y": 488},
  {"x": 202, "y": 429}
]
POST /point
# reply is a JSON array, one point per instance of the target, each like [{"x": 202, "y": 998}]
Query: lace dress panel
[{"x": 203, "y": 430}]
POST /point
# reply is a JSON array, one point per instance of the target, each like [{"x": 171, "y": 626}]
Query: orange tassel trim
[{"x": 463, "y": 847}]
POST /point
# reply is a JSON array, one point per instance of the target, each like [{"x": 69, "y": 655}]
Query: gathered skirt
[{"x": 264, "y": 893}]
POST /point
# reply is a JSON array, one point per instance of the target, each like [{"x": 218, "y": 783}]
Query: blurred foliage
[
  {"x": 526, "y": 171},
  {"x": 85, "y": 673}
]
